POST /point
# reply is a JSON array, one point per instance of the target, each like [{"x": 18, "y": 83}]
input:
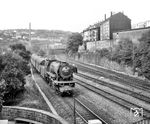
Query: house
[
  {"x": 114, "y": 23},
  {"x": 92, "y": 33}
]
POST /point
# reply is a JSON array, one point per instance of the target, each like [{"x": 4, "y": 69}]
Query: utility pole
[
  {"x": 74, "y": 110},
  {"x": 95, "y": 52},
  {"x": 111, "y": 41},
  {"x": 133, "y": 53}
]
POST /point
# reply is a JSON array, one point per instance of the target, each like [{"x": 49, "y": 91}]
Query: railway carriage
[{"x": 58, "y": 74}]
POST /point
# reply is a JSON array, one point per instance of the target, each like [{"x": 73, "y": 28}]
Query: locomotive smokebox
[
  {"x": 65, "y": 71},
  {"x": 61, "y": 69}
]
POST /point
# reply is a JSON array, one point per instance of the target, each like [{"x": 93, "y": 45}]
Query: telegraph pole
[
  {"x": 133, "y": 54},
  {"x": 74, "y": 110}
]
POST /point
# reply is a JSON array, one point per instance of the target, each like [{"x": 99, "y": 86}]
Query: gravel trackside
[{"x": 113, "y": 112}]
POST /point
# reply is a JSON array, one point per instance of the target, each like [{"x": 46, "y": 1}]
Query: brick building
[{"x": 114, "y": 23}]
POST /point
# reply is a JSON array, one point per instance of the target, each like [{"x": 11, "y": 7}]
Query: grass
[{"x": 31, "y": 97}]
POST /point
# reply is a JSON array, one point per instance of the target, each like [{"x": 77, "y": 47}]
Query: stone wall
[
  {"x": 94, "y": 58},
  {"x": 91, "y": 46},
  {"x": 134, "y": 34},
  {"x": 11, "y": 112}
]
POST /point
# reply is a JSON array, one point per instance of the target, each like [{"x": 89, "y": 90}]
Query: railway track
[
  {"x": 83, "y": 110},
  {"x": 121, "y": 101},
  {"x": 125, "y": 90},
  {"x": 120, "y": 77}
]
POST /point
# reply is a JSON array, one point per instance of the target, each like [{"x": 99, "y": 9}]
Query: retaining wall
[{"x": 12, "y": 112}]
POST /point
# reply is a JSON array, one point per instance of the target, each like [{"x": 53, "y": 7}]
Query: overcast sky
[{"x": 68, "y": 15}]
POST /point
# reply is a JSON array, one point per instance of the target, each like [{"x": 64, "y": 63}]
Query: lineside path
[{"x": 44, "y": 96}]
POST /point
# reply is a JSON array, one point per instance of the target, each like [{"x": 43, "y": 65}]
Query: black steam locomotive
[{"x": 58, "y": 74}]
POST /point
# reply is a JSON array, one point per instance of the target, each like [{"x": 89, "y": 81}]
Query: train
[{"x": 58, "y": 74}]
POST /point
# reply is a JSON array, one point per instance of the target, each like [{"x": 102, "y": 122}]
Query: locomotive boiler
[{"x": 61, "y": 70}]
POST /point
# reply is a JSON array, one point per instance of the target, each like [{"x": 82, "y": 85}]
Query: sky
[{"x": 67, "y": 15}]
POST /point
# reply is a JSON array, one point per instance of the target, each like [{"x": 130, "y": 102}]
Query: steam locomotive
[{"x": 58, "y": 74}]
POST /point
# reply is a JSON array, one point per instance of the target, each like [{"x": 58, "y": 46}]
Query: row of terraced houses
[{"x": 106, "y": 32}]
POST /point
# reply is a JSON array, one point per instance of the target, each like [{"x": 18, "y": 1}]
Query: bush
[
  {"x": 142, "y": 56},
  {"x": 13, "y": 73},
  {"x": 21, "y": 50},
  {"x": 18, "y": 47},
  {"x": 41, "y": 53},
  {"x": 123, "y": 52},
  {"x": 103, "y": 53}
]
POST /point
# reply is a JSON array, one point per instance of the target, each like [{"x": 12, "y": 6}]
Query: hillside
[
  {"x": 39, "y": 37},
  {"x": 50, "y": 33}
]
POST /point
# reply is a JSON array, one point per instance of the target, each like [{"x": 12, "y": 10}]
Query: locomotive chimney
[{"x": 105, "y": 17}]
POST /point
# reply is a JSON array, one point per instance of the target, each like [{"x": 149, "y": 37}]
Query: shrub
[
  {"x": 123, "y": 52},
  {"x": 142, "y": 56}
]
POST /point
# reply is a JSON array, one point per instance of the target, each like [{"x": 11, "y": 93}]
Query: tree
[
  {"x": 15, "y": 61},
  {"x": 2, "y": 92},
  {"x": 21, "y": 50},
  {"x": 1, "y": 64},
  {"x": 74, "y": 41},
  {"x": 18, "y": 47},
  {"x": 142, "y": 56},
  {"x": 14, "y": 81},
  {"x": 15, "y": 69},
  {"x": 25, "y": 55}
]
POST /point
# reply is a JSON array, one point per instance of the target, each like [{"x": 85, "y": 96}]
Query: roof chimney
[{"x": 105, "y": 17}]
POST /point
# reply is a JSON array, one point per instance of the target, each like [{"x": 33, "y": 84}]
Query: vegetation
[
  {"x": 41, "y": 53},
  {"x": 21, "y": 50},
  {"x": 103, "y": 53},
  {"x": 136, "y": 56},
  {"x": 13, "y": 69},
  {"x": 31, "y": 97},
  {"x": 74, "y": 41},
  {"x": 18, "y": 47},
  {"x": 142, "y": 56},
  {"x": 123, "y": 52}
]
